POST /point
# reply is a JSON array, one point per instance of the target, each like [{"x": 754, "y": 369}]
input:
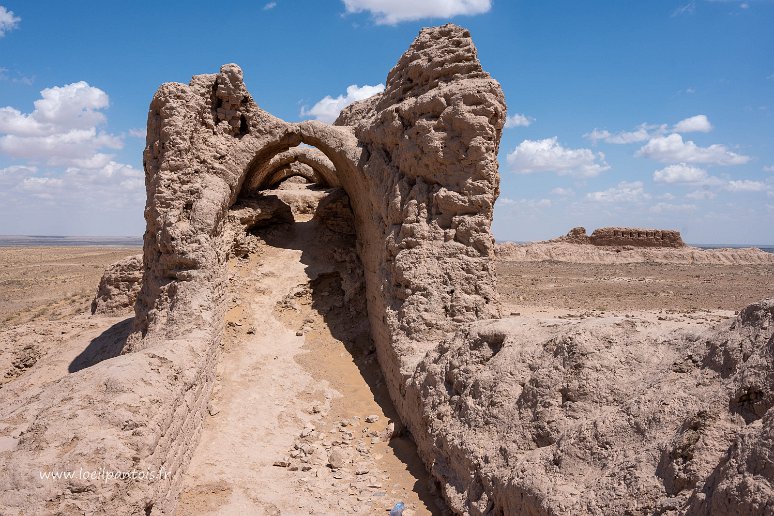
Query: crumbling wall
[
  {"x": 118, "y": 287},
  {"x": 576, "y": 235},
  {"x": 419, "y": 167},
  {"x": 637, "y": 237}
]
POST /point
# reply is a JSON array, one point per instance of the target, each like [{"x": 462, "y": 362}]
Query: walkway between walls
[{"x": 300, "y": 419}]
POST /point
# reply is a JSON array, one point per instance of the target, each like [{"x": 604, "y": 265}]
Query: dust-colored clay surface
[
  {"x": 633, "y": 286},
  {"x": 51, "y": 282},
  {"x": 298, "y": 383},
  {"x": 298, "y": 376}
]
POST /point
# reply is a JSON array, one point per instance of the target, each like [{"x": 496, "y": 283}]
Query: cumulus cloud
[
  {"x": 62, "y": 130},
  {"x": 518, "y": 120},
  {"x": 672, "y": 149},
  {"x": 768, "y": 168},
  {"x": 328, "y": 108},
  {"x": 114, "y": 186},
  {"x": 644, "y": 132},
  {"x": 694, "y": 124},
  {"x": 110, "y": 187},
  {"x": 269, "y": 5},
  {"x": 625, "y": 191},
  {"x": 549, "y": 155},
  {"x": 680, "y": 173},
  {"x": 746, "y": 185},
  {"x": 8, "y": 21},
  {"x": 391, "y": 12},
  {"x": 641, "y": 133},
  {"x": 67, "y": 175}
]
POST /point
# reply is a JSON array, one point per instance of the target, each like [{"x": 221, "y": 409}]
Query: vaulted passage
[{"x": 301, "y": 407}]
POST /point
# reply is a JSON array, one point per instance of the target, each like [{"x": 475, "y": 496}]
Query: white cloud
[
  {"x": 269, "y": 5},
  {"x": 624, "y": 191},
  {"x": 518, "y": 120},
  {"x": 768, "y": 168},
  {"x": 8, "y": 21},
  {"x": 640, "y": 134},
  {"x": 328, "y": 108},
  {"x": 137, "y": 133},
  {"x": 526, "y": 203},
  {"x": 15, "y": 77},
  {"x": 644, "y": 132},
  {"x": 746, "y": 185},
  {"x": 62, "y": 130},
  {"x": 109, "y": 187},
  {"x": 665, "y": 207},
  {"x": 562, "y": 192},
  {"x": 688, "y": 8},
  {"x": 680, "y": 173},
  {"x": 700, "y": 195},
  {"x": 672, "y": 149},
  {"x": 549, "y": 156},
  {"x": 68, "y": 181},
  {"x": 390, "y": 12},
  {"x": 694, "y": 124}
]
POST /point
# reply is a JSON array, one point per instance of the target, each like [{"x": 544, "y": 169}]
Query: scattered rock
[{"x": 336, "y": 459}]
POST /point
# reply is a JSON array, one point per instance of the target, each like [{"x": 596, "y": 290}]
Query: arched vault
[
  {"x": 259, "y": 176},
  {"x": 293, "y": 169}
]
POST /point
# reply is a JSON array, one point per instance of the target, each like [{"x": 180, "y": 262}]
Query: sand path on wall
[{"x": 299, "y": 418}]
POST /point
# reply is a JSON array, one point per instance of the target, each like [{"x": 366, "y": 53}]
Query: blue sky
[{"x": 641, "y": 113}]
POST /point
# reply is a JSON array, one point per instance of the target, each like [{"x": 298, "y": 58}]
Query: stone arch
[
  {"x": 295, "y": 168},
  {"x": 260, "y": 173}
]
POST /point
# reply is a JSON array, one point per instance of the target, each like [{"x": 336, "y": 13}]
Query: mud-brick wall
[{"x": 637, "y": 237}]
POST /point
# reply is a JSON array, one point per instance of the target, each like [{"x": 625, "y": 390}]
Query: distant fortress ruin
[{"x": 614, "y": 236}]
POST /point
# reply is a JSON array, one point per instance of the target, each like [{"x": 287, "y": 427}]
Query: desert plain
[{"x": 328, "y": 382}]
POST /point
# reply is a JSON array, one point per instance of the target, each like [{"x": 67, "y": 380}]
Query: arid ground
[
  {"x": 296, "y": 377},
  {"x": 49, "y": 283}
]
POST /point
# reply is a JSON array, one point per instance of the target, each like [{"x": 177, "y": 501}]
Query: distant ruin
[{"x": 634, "y": 237}]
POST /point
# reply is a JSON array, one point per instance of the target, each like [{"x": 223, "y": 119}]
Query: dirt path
[{"x": 300, "y": 416}]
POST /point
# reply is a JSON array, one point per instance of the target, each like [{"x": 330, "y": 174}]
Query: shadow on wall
[{"x": 109, "y": 344}]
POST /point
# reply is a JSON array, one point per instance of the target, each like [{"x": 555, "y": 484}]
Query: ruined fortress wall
[
  {"x": 637, "y": 237},
  {"x": 419, "y": 164},
  {"x": 432, "y": 139}
]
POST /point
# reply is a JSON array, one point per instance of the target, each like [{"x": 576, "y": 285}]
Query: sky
[{"x": 655, "y": 113}]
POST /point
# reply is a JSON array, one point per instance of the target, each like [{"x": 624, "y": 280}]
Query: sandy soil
[
  {"x": 300, "y": 405},
  {"x": 51, "y": 283},
  {"x": 298, "y": 383},
  {"x": 634, "y": 286}
]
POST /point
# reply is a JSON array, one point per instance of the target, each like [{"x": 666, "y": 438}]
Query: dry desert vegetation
[{"x": 320, "y": 322}]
